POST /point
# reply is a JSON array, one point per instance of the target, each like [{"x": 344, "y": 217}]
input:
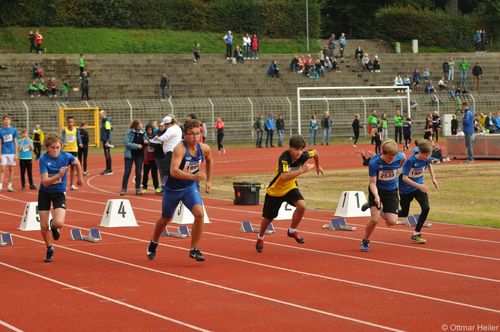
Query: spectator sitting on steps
[
  {"x": 358, "y": 54},
  {"x": 273, "y": 70},
  {"x": 238, "y": 54}
]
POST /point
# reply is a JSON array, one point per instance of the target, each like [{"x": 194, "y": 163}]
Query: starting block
[
  {"x": 6, "y": 239},
  {"x": 94, "y": 235},
  {"x": 247, "y": 227},
  {"x": 182, "y": 232},
  {"x": 339, "y": 224},
  {"x": 413, "y": 220}
]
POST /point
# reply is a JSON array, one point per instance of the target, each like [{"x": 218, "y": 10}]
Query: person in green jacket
[
  {"x": 33, "y": 89},
  {"x": 81, "y": 64},
  {"x": 464, "y": 68},
  {"x": 385, "y": 126},
  {"x": 64, "y": 88},
  {"x": 372, "y": 122},
  {"x": 398, "y": 125},
  {"x": 42, "y": 89}
]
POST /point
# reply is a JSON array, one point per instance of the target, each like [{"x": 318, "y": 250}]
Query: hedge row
[
  {"x": 430, "y": 27},
  {"x": 274, "y": 18}
]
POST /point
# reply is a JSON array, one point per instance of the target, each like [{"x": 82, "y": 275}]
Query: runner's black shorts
[{"x": 272, "y": 204}]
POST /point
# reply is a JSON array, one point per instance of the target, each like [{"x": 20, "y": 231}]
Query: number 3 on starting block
[{"x": 118, "y": 213}]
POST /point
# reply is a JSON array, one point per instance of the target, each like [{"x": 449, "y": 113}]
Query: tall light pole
[{"x": 307, "y": 24}]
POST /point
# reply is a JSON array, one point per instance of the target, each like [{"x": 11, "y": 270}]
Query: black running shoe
[
  {"x": 151, "y": 253},
  {"x": 296, "y": 236},
  {"x": 365, "y": 207},
  {"x": 195, "y": 253},
  {"x": 55, "y": 232},
  {"x": 259, "y": 246},
  {"x": 49, "y": 254}
]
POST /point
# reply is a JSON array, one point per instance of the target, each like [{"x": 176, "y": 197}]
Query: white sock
[
  {"x": 260, "y": 237},
  {"x": 291, "y": 230},
  {"x": 415, "y": 233}
]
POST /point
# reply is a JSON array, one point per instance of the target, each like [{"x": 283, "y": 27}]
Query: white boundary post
[
  {"x": 131, "y": 110},
  {"x": 291, "y": 115},
  {"x": 253, "y": 118},
  {"x": 473, "y": 103},
  {"x": 299, "y": 131},
  {"x": 27, "y": 114},
  {"x": 213, "y": 117}
]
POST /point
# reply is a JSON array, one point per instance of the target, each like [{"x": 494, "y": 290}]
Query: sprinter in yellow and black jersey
[{"x": 283, "y": 187}]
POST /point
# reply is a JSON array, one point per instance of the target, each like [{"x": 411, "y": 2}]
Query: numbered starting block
[
  {"x": 339, "y": 224},
  {"x": 6, "y": 240},
  {"x": 247, "y": 227},
  {"x": 182, "y": 232},
  {"x": 412, "y": 221},
  {"x": 94, "y": 235}
]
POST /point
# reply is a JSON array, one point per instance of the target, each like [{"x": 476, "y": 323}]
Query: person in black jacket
[
  {"x": 355, "y": 129},
  {"x": 84, "y": 85},
  {"x": 454, "y": 124},
  {"x": 83, "y": 148},
  {"x": 477, "y": 72},
  {"x": 164, "y": 85},
  {"x": 436, "y": 126}
]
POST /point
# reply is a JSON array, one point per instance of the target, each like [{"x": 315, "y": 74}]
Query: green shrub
[{"x": 187, "y": 15}]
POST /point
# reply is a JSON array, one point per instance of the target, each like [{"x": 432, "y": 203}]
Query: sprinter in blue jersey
[
  {"x": 383, "y": 199},
  {"x": 181, "y": 186},
  {"x": 53, "y": 166},
  {"x": 411, "y": 185}
]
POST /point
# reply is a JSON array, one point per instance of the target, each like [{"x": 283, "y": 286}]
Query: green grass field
[{"x": 107, "y": 40}]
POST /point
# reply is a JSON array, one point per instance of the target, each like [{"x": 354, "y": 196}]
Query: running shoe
[
  {"x": 365, "y": 207},
  {"x": 151, "y": 253},
  {"x": 86, "y": 173},
  {"x": 33, "y": 187},
  {"x": 365, "y": 245},
  {"x": 55, "y": 232},
  {"x": 73, "y": 187},
  {"x": 296, "y": 236},
  {"x": 10, "y": 189},
  {"x": 259, "y": 246},
  {"x": 49, "y": 254},
  {"x": 195, "y": 253},
  {"x": 138, "y": 192},
  {"x": 144, "y": 190},
  {"x": 418, "y": 239},
  {"x": 123, "y": 192},
  {"x": 158, "y": 191}
]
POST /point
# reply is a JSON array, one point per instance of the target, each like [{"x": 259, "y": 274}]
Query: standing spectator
[
  {"x": 255, "y": 47},
  {"x": 489, "y": 124},
  {"x": 416, "y": 77},
  {"x": 280, "y": 128},
  {"x": 313, "y": 129},
  {"x": 135, "y": 141},
  {"x": 204, "y": 132},
  {"x": 71, "y": 141},
  {"x": 38, "y": 137},
  {"x": 484, "y": 40},
  {"x": 247, "y": 42},
  {"x": 407, "y": 133},
  {"x": 81, "y": 64},
  {"x": 355, "y": 129},
  {"x": 31, "y": 38},
  {"x": 454, "y": 124},
  {"x": 259, "y": 128},
  {"x": 51, "y": 87},
  {"x": 376, "y": 139},
  {"x": 372, "y": 123},
  {"x": 105, "y": 131},
  {"x": 326, "y": 124},
  {"x": 446, "y": 68},
  {"x": 84, "y": 86},
  {"x": 219, "y": 126},
  {"x": 83, "y": 147},
  {"x": 196, "y": 52},
  {"x": 228, "y": 39},
  {"x": 477, "y": 71},
  {"x": 270, "y": 126},
  {"x": 26, "y": 159},
  {"x": 436, "y": 126},
  {"x": 464, "y": 68},
  {"x": 39, "y": 41},
  {"x": 8, "y": 151},
  {"x": 342, "y": 44},
  {"x": 385, "y": 127},
  {"x": 477, "y": 40},
  {"x": 398, "y": 126},
  {"x": 468, "y": 126},
  {"x": 273, "y": 70},
  {"x": 428, "y": 129},
  {"x": 159, "y": 155},
  {"x": 164, "y": 85},
  {"x": 451, "y": 69},
  {"x": 149, "y": 163},
  {"x": 64, "y": 90},
  {"x": 331, "y": 45}
]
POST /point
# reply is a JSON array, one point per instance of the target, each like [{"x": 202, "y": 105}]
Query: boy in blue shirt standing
[
  {"x": 53, "y": 166},
  {"x": 411, "y": 185},
  {"x": 26, "y": 159},
  {"x": 383, "y": 199},
  {"x": 8, "y": 151}
]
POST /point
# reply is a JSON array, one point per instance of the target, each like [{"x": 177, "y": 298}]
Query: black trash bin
[{"x": 246, "y": 193}]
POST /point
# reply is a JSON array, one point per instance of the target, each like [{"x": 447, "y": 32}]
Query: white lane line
[{"x": 10, "y": 327}]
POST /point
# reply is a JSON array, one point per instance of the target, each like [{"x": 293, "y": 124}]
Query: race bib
[
  {"x": 191, "y": 167},
  {"x": 416, "y": 172},
  {"x": 387, "y": 175},
  {"x": 70, "y": 138},
  {"x": 26, "y": 148},
  {"x": 7, "y": 138}
]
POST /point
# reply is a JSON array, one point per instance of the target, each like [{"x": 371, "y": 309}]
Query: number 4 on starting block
[{"x": 118, "y": 213}]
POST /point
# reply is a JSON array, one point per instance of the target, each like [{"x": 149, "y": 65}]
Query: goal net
[
  {"x": 89, "y": 115},
  {"x": 343, "y": 103}
]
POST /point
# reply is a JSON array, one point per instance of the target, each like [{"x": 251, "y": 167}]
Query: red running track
[{"x": 325, "y": 284}]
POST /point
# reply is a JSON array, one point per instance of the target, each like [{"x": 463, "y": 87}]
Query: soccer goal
[
  {"x": 342, "y": 103},
  {"x": 90, "y": 115}
]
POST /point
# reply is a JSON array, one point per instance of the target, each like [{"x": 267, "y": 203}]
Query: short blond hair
[
  {"x": 390, "y": 147},
  {"x": 51, "y": 139}
]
